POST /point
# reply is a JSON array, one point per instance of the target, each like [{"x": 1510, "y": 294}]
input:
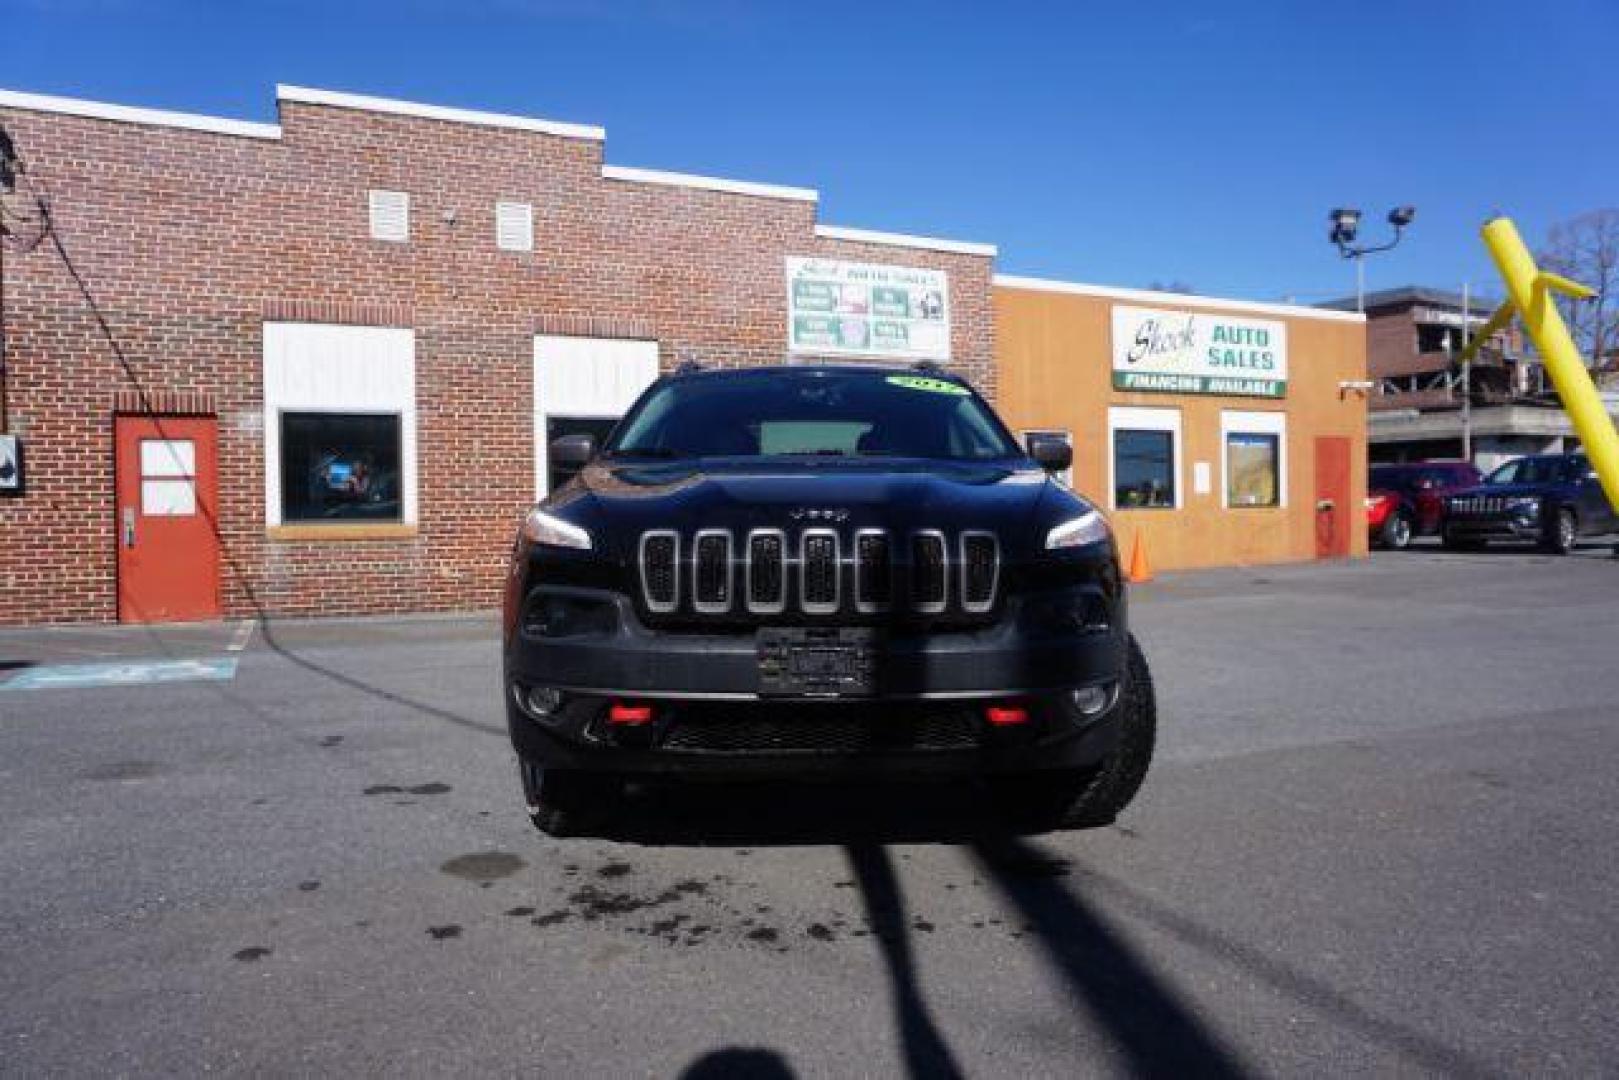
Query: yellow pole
[{"x": 1530, "y": 292}]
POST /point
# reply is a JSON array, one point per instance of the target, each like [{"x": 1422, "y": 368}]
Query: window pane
[
  {"x": 1143, "y": 469},
  {"x": 172, "y": 457},
  {"x": 337, "y": 467},
  {"x": 1251, "y": 470},
  {"x": 168, "y": 498}
]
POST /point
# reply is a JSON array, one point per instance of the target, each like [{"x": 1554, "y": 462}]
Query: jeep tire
[
  {"x": 1397, "y": 531},
  {"x": 1564, "y": 531},
  {"x": 565, "y": 802},
  {"x": 1092, "y": 797}
]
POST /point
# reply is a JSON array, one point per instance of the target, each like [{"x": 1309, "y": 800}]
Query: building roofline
[
  {"x": 129, "y": 114},
  {"x": 1414, "y": 294},
  {"x": 709, "y": 183},
  {"x": 925, "y": 243},
  {"x": 1152, "y": 296},
  {"x": 338, "y": 99}
]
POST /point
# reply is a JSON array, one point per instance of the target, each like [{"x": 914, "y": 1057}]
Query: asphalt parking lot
[{"x": 1380, "y": 838}]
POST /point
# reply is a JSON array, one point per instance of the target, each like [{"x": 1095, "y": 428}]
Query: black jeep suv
[
  {"x": 1548, "y": 499},
  {"x": 821, "y": 571}
]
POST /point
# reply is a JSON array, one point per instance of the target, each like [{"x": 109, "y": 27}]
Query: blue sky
[{"x": 1120, "y": 143}]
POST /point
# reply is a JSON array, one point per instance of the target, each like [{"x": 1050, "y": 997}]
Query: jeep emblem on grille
[{"x": 807, "y": 514}]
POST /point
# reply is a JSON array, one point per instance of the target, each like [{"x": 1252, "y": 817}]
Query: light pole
[{"x": 1346, "y": 225}]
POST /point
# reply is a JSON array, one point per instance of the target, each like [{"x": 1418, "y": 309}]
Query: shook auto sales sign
[
  {"x": 861, "y": 309},
  {"x": 1183, "y": 352}
]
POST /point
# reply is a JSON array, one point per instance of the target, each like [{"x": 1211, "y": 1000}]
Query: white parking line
[{"x": 244, "y": 634}]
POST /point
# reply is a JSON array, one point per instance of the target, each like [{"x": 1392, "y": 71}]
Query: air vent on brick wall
[
  {"x": 514, "y": 226},
  {"x": 390, "y": 216}
]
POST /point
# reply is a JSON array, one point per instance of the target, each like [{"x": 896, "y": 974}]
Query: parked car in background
[
  {"x": 1408, "y": 500},
  {"x": 1548, "y": 499}
]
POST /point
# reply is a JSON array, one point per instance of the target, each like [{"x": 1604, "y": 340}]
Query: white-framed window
[
  {"x": 1067, "y": 475},
  {"x": 339, "y": 424},
  {"x": 581, "y": 386},
  {"x": 514, "y": 226},
  {"x": 1253, "y": 459},
  {"x": 390, "y": 215},
  {"x": 1144, "y": 458}
]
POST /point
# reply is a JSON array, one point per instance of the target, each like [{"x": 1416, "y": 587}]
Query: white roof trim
[
  {"x": 304, "y": 95},
  {"x": 1150, "y": 296},
  {"x": 926, "y": 243},
  {"x": 708, "y": 183},
  {"x": 127, "y": 114}
]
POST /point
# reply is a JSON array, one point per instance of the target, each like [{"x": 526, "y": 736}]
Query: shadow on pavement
[
  {"x": 781, "y": 813},
  {"x": 1158, "y": 1032},
  {"x": 371, "y": 689},
  {"x": 925, "y": 1051},
  {"x": 739, "y": 1063}
]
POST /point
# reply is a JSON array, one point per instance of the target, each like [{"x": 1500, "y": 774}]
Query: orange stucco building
[{"x": 1214, "y": 432}]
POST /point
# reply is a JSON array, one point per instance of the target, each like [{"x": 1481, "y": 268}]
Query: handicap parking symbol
[{"x": 128, "y": 673}]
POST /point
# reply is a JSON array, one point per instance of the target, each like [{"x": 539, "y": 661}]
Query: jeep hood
[{"x": 618, "y": 501}]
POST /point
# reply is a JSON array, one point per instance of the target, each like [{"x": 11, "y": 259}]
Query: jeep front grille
[
  {"x": 980, "y": 566},
  {"x": 813, "y": 572},
  {"x": 873, "y": 571},
  {"x": 711, "y": 571},
  {"x": 767, "y": 575},
  {"x": 930, "y": 572},
  {"x": 1479, "y": 504},
  {"x": 660, "y": 570},
  {"x": 819, "y": 571}
]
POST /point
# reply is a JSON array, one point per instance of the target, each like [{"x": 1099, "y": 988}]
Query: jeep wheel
[
  {"x": 1093, "y": 797},
  {"x": 1564, "y": 532},
  {"x": 564, "y": 802},
  {"x": 1396, "y": 531}
]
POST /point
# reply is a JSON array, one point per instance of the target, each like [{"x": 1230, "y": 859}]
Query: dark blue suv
[{"x": 1548, "y": 499}]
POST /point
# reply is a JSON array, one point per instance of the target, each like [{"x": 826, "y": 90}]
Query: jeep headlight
[
  {"x": 542, "y": 528},
  {"x": 1527, "y": 506},
  {"x": 1088, "y": 528}
]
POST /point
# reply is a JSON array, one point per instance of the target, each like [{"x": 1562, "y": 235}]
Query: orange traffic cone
[{"x": 1140, "y": 569}]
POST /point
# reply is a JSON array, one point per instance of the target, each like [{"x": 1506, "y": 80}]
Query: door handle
[
  {"x": 129, "y": 526},
  {"x": 1326, "y": 504}
]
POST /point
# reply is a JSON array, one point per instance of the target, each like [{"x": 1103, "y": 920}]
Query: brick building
[
  {"x": 403, "y": 300},
  {"x": 313, "y": 367},
  {"x": 1423, "y": 406}
]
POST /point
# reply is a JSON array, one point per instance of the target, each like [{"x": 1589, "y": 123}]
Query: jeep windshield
[
  {"x": 812, "y": 413},
  {"x": 1539, "y": 470}
]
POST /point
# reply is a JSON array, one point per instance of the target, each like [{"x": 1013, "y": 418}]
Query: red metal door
[
  {"x": 1332, "y": 510},
  {"x": 168, "y": 549}
]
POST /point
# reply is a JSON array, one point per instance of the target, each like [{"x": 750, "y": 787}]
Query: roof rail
[
  {"x": 688, "y": 367},
  {"x": 931, "y": 366}
]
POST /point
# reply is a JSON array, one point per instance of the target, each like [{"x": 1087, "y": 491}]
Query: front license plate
[{"x": 813, "y": 661}]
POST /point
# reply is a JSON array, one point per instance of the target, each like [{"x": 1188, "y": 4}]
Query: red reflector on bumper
[
  {"x": 620, "y": 713},
  {"x": 1006, "y": 715}
]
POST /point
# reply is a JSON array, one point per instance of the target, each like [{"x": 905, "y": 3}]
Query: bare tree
[{"x": 1586, "y": 248}]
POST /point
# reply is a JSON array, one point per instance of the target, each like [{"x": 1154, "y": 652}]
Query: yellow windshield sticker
[{"x": 930, "y": 386}]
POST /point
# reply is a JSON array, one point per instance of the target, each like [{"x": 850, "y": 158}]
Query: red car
[{"x": 1408, "y": 500}]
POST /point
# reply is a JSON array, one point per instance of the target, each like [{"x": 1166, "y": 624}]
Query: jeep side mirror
[
  {"x": 572, "y": 451},
  {"x": 1051, "y": 453}
]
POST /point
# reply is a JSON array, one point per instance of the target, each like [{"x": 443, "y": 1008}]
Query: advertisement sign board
[
  {"x": 837, "y": 308},
  {"x": 1184, "y": 352}
]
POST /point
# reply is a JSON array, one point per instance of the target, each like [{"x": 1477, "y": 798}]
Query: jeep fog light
[
  {"x": 543, "y": 700},
  {"x": 1091, "y": 700}
]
